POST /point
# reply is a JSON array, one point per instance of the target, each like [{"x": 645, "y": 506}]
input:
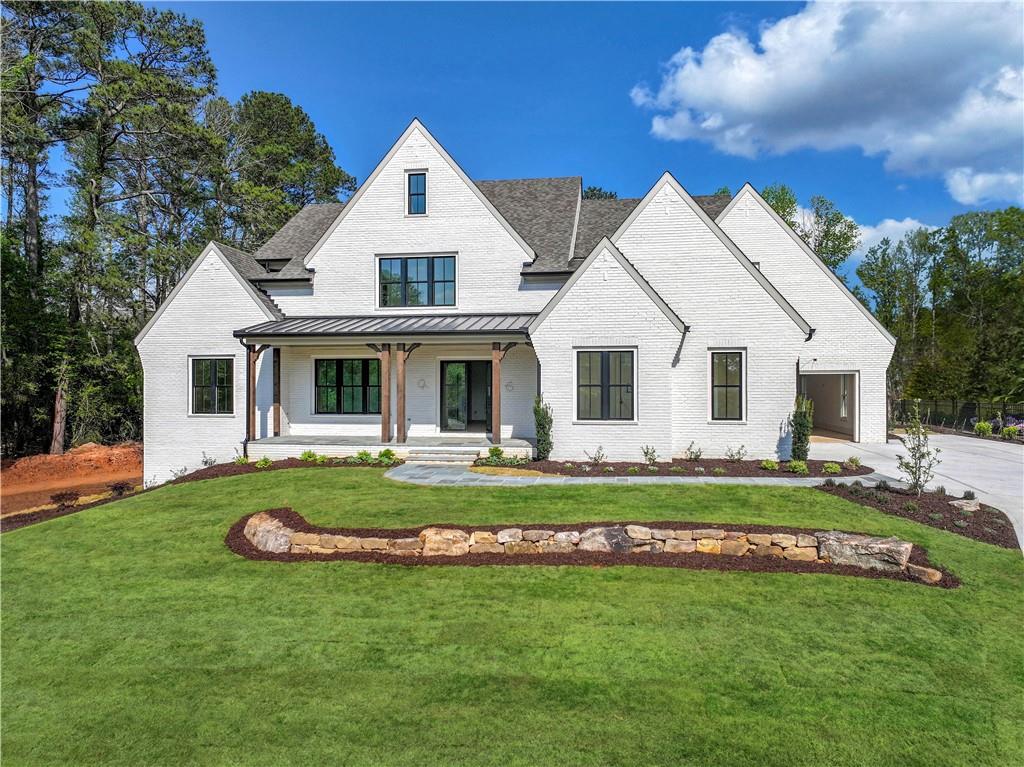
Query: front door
[{"x": 466, "y": 396}]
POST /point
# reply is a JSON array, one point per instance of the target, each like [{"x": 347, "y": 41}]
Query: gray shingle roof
[
  {"x": 250, "y": 270},
  {"x": 543, "y": 211},
  {"x": 600, "y": 218},
  {"x": 295, "y": 239},
  {"x": 407, "y": 325}
]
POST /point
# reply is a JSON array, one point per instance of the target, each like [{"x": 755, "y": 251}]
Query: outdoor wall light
[
  {"x": 509, "y": 387},
  {"x": 421, "y": 384}
]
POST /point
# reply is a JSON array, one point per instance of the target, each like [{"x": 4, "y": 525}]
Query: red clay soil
[
  {"x": 88, "y": 469},
  {"x": 988, "y": 525},
  {"x": 239, "y": 544},
  {"x": 11, "y": 521},
  {"x": 688, "y": 468}
]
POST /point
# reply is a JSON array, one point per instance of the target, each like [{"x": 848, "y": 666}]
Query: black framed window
[
  {"x": 604, "y": 385},
  {"x": 212, "y": 386},
  {"x": 417, "y": 281},
  {"x": 348, "y": 387},
  {"x": 417, "y": 193},
  {"x": 727, "y": 386}
]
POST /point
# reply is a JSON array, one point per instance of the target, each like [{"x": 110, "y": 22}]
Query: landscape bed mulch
[
  {"x": 236, "y": 541},
  {"x": 988, "y": 524},
  {"x": 685, "y": 468},
  {"x": 17, "y": 521}
]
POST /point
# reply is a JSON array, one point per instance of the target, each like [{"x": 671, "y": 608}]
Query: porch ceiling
[{"x": 401, "y": 325}]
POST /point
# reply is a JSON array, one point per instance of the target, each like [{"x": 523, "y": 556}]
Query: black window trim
[
  {"x": 430, "y": 282},
  {"x": 409, "y": 194},
  {"x": 339, "y": 386},
  {"x": 213, "y": 385},
  {"x": 605, "y": 384},
  {"x": 742, "y": 385}
]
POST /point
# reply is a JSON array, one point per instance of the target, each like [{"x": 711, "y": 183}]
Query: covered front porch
[{"x": 341, "y": 385}]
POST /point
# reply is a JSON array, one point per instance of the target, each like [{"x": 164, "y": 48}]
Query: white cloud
[
  {"x": 889, "y": 227},
  {"x": 935, "y": 89},
  {"x": 970, "y": 188}
]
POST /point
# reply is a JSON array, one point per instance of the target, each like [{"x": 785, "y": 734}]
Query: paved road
[{"x": 993, "y": 470}]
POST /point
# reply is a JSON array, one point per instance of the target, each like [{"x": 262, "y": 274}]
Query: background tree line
[{"x": 113, "y": 106}]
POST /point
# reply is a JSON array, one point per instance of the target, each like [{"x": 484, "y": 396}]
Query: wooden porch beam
[
  {"x": 496, "y": 356},
  {"x": 400, "y": 393},
  {"x": 384, "y": 355}
]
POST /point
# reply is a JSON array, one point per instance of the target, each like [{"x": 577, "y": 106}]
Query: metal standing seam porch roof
[{"x": 391, "y": 325}]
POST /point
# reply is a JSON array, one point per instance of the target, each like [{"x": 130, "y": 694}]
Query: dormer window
[{"x": 416, "y": 183}]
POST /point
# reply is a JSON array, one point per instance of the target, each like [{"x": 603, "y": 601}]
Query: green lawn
[{"x": 132, "y": 636}]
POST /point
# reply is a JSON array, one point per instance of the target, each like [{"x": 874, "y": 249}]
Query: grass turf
[{"x": 131, "y": 635}]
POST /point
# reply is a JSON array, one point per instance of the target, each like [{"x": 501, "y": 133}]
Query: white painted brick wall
[
  {"x": 199, "y": 321},
  {"x": 845, "y": 340},
  {"x": 605, "y": 309},
  {"x": 423, "y": 403},
  {"x": 725, "y": 307},
  {"x": 488, "y": 259}
]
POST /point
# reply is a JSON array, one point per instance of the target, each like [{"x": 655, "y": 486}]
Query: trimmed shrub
[
  {"x": 542, "y": 419},
  {"x": 308, "y": 455},
  {"x": 853, "y": 462},
  {"x": 798, "y": 467},
  {"x": 831, "y": 468},
  {"x": 364, "y": 456},
  {"x": 632, "y": 470},
  {"x": 969, "y": 495},
  {"x": 387, "y": 457},
  {"x": 983, "y": 429},
  {"x": 677, "y": 470},
  {"x": 769, "y": 464},
  {"x": 911, "y": 508},
  {"x": 1009, "y": 432},
  {"x": 699, "y": 470},
  {"x": 652, "y": 469},
  {"x": 718, "y": 471},
  {"x": 829, "y": 482},
  {"x": 263, "y": 463},
  {"x": 241, "y": 460},
  {"x": 803, "y": 422}
]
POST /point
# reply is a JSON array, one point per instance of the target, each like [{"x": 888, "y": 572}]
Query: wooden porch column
[
  {"x": 400, "y": 394},
  {"x": 385, "y": 392},
  {"x": 277, "y": 391},
  {"x": 496, "y": 355}
]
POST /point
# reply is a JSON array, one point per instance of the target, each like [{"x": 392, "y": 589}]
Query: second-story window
[
  {"x": 419, "y": 281},
  {"x": 417, "y": 205}
]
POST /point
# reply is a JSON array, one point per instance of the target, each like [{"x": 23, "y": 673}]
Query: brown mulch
[
  {"x": 235, "y": 469},
  {"x": 239, "y": 544},
  {"x": 731, "y": 468},
  {"x": 15, "y": 522},
  {"x": 989, "y": 525}
]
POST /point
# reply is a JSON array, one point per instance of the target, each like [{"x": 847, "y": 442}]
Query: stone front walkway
[{"x": 440, "y": 474}]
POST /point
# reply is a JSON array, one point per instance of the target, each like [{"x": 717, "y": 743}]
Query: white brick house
[{"x": 430, "y": 310}]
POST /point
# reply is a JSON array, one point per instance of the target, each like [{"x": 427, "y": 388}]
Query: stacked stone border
[{"x": 283, "y": 535}]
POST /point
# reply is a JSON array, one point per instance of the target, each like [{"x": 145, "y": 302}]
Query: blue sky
[{"x": 577, "y": 89}]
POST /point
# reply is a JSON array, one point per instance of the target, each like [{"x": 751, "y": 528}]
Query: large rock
[
  {"x": 268, "y": 534},
  {"x": 708, "y": 545},
  {"x": 680, "y": 547},
  {"x": 486, "y": 548},
  {"x": 967, "y": 505},
  {"x": 510, "y": 535},
  {"x": 342, "y": 542},
  {"x": 568, "y": 536},
  {"x": 482, "y": 536},
  {"x": 537, "y": 535},
  {"x": 607, "y": 539},
  {"x": 522, "y": 547},
  {"x": 663, "y": 535},
  {"x": 863, "y": 550},
  {"x": 766, "y": 550},
  {"x": 926, "y": 574},
  {"x": 806, "y": 540},
  {"x": 711, "y": 533},
  {"x": 375, "y": 544},
  {"x": 556, "y": 547},
  {"x": 414, "y": 545},
  {"x": 734, "y": 548},
  {"x": 638, "y": 532},
  {"x": 760, "y": 539},
  {"x": 801, "y": 554},
  {"x": 439, "y": 541},
  {"x": 783, "y": 539}
]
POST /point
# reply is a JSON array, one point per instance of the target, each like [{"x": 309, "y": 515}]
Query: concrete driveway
[{"x": 993, "y": 470}]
